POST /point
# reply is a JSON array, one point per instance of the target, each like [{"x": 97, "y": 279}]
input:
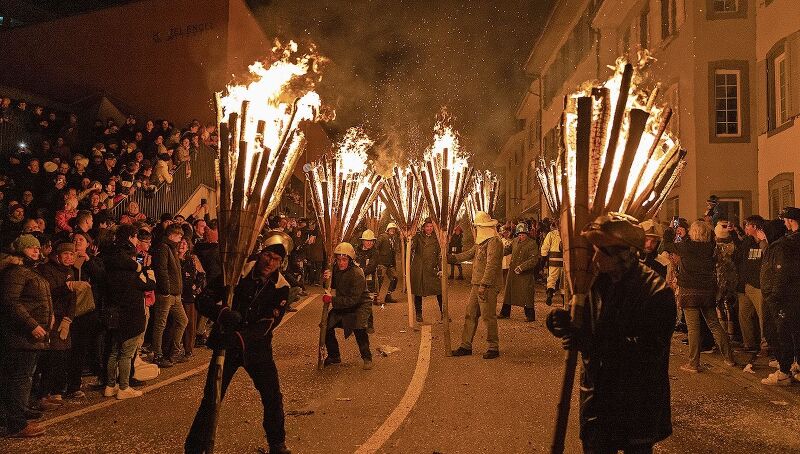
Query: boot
[
  {"x": 550, "y": 293},
  {"x": 419, "y": 317},
  {"x": 388, "y": 299}
]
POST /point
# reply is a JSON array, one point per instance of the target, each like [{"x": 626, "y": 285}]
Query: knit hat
[
  {"x": 24, "y": 242},
  {"x": 66, "y": 246}
]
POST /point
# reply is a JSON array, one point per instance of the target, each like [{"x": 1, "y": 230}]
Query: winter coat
[
  {"x": 551, "y": 248},
  {"x": 193, "y": 278},
  {"x": 125, "y": 284},
  {"x": 780, "y": 275},
  {"x": 62, "y": 297},
  {"x": 352, "y": 304},
  {"x": 167, "y": 265},
  {"x": 519, "y": 287},
  {"x": 456, "y": 245},
  {"x": 697, "y": 269},
  {"x": 208, "y": 253},
  {"x": 25, "y": 303},
  {"x": 387, "y": 248},
  {"x": 366, "y": 260},
  {"x": 625, "y": 395},
  {"x": 487, "y": 262},
  {"x": 725, "y": 270},
  {"x": 425, "y": 263},
  {"x": 262, "y": 305},
  {"x": 747, "y": 258}
]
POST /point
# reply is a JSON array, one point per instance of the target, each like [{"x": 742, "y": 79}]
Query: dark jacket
[
  {"x": 456, "y": 245},
  {"x": 697, "y": 270},
  {"x": 747, "y": 258},
  {"x": 193, "y": 279},
  {"x": 386, "y": 247},
  {"x": 167, "y": 266},
  {"x": 366, "y": 260},
  {"x": 780, "y": 275},
  {"x": 426, "y": 261},
  {"x": 125, "y": 284},
  {"x": 62, "y": 297},
  {"x": 352, "y": 305},
  {"x": 519, "y": 287},
  {"x": 208, "y": 253},
  {"x": 262, "y": 305},
  {"x": 625, "y": 395},
  {"x": 25, "y": 303}
]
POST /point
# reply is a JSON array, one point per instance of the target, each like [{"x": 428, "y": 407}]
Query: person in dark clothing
[
  {"x": 365, "y": 258},
  {"x": 245, "y": 330},
  {"x": 387, "y": 246},
  {"x": 624, "y": 343},
  {"x": 351, "y": 307},
  {"x": 747, "y": 258},
  {"x": 456, "y": 246},
  {"x": 650, "y": 254},
  {"x": 780, "y": 285}
]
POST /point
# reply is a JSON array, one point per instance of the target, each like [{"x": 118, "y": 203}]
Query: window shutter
[
  {"x": 762, "y": 101},
  {"x": 793, "y": 58}
]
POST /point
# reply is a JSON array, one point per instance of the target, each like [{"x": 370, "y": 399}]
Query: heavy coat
[
  {"x": 387, "y": 248},
  {"x": 64, "y": 299},
  {"x": 425, "y": 263},
  {"x": 366, "y": 260},
  {"x": 169, "y": 278},
  {"x": 519, "y": 287},
  {"x": 125, "y": 284},
  {"x": 352, "y": 305},
  {"x": 625, "y": 395},
  {"x": 25, "y": 303},
  {"x": 780, "y": 275},
  {"x": 487, "y": 262},
  {"x": 262, "y": 305}
]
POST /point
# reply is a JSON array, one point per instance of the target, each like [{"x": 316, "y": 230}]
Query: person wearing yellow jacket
[
  {"x": 551, "y": 251},
  {"x": 487, "y": 263}
]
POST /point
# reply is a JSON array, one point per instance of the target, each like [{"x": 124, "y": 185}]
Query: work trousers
[
  {"x": 486, "y": 309},
  {"x": 386, "y": 275},
  {"x": 693, "y": 315},
  {"x": 16, "y": 378},
  {"x": 751, "y": 317},
  {"x": 264, "y": 374},
  {"x": 362, "y": 339},
  {"x": 555, "y": 277},
  {"x": 530, "y": 312},
  {"x": 165, "y": 306}
]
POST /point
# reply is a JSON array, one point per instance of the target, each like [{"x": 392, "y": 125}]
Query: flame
[
  {"x": 404, "y": 199},
  {"x": 353, "y": 150},
  {"x": 483, "y": 196}
]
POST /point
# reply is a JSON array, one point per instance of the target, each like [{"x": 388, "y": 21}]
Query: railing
[{"x": 170, "y": 198}]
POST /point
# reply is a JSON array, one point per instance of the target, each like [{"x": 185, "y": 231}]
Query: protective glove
[
  {"x": 327, "y": 299},
  {"x": 518, "y": 270},
  {"x": 451, "y": 259},
  {"x": 229, "y": 319},
  {"x": 63, "y": 328}
]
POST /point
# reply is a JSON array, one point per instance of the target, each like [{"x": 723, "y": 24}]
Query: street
[{"x": 464, "y": 404}]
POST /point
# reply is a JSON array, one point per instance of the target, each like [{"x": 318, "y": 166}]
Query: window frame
[
  {"x": 781, "y": 91},
  {"x": 738, "y": 74},
  {"x": 713, "y": 14},
  {"x": 745, "y": 133},
  {"x": 726, "y": 11}
]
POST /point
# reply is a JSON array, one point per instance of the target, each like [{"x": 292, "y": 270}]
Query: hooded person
[
  {"x": 351, "y": 306},
  {"x": 519, "y": 287},
  {"x": 245, "y": 330},
  {"x": 624, "y": 342},
  {"x": 487, "y": 278}
]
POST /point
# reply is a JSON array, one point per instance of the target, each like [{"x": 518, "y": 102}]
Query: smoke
[{"x": 395, "y": 63}]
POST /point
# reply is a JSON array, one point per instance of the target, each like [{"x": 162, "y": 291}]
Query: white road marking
[
  {"x": 111, "y": 401},
  {"x": 414, "y": 390}
]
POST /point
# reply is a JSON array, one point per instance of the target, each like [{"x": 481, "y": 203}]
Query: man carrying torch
[
  {"x": 244, "y": 330},
  {"x": 487, "y": 263},
  {"x": 624, "y": 343}
]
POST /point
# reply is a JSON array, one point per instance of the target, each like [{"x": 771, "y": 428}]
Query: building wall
[
  {"x": 163, "y": 59},
  {"x": 778, "y": 25}
]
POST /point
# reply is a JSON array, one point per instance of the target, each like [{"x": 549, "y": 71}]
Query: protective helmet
[
  {"x": 368, "y": 235},
  {"x": 482, "y": 219},
  {"x": 652, "y": 229},
  {"x": 277, "y": 242},
  {"x": 615, "y": 229},
  {"x": 391, "y": 225},
  {"x": 345, "y": 249},
  {"x": 521, "y": 228}
]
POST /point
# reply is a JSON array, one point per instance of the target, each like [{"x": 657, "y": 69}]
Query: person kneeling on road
[{"x": 351, "y": 307}]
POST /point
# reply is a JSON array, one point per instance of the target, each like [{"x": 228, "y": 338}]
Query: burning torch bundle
[
  {"x": 259, "y": 146},
  {"x": 446, "y": 179},
  {"x": 483, "y": 194},
  {"x": 343, "y": 188},
  {"x": 405, "y": 203},
  {"x": 374, "y": 212},
  {"x": 617, "y": 156}
]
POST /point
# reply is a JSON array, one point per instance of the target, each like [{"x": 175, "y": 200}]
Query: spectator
[
  {"x": 63, "y": 216},
  {"x": 748, "y": 266},
  {"x": 456, "y": 246},
  {"x": 28, "y": 316},
  {"x": 169, "y": 288},
  {"x": 12, "y": 226},
  {"x": 193, "y": 283},
  {"x": 132, "y": 214}
]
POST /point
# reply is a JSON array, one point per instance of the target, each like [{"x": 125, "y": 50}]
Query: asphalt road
[{"x": 465, "y": 404}]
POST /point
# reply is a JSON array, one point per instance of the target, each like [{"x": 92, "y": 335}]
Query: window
[
  {"x": 669, "y": 16},
  {"x": 726, "y": 6},
  {"x": 672, "y": 98},
  {"x": 781, "y": 110},
  {"x": 727, "y": 95},
  {"x": 781, "y": 193},
  {"x": 731, "y": 210}
]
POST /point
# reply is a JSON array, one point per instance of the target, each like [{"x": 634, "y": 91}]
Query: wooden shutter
[
  {"x": 762, "y": 97},
  {"x": 792, "y": 50}
]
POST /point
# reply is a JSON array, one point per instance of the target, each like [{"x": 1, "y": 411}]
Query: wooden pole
[
  {"x": 448, "y": 349},
  {"x": 407, "y": 280}
]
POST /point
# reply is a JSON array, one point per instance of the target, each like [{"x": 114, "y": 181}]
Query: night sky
[{"x": 395, "y": 63}]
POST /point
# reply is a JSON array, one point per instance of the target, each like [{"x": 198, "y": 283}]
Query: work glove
[
  {"x": 327, "y": 299},
  {"x": 229, "y": 319},
  {"x": 63, "y": 328},
  {"x": 451, "y": 259}
]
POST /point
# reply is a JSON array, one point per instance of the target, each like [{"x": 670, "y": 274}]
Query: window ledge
[{"x": 788, "y": 124}]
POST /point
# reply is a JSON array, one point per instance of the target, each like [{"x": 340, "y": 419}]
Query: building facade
[
  {"x": 778, "y": 93},
  {"x": 705, "y": 62}
]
